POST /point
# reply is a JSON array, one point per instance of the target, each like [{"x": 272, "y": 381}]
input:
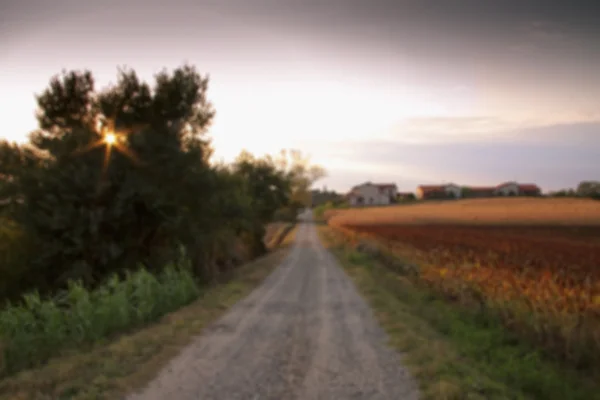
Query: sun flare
[{"x": 110, "y": 139}]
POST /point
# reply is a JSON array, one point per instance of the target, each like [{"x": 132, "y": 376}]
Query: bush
[
  {"x": 118, "y": 179},
  {"x": 287, "y": 214},
  {"x": 13, "y": 252},
  {"x": 323, "y": 210},
  {"x": 90, "y": 207},
  {"x": 35, "y": 330}
]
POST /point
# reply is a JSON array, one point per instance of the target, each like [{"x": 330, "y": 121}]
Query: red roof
[
  {"x": 528, "y": 187},
  {"x": 521, "y": 186},
  {"x": 377, "y": 185},
  {"x": 432, "y": 188}
]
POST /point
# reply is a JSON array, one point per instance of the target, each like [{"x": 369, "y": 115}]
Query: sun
[{"x": 110, "y": 139}]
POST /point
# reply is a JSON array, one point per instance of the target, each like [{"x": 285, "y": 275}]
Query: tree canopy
[{"x": 121, "y": 177}]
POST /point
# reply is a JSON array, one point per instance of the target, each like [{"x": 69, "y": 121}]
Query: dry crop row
[{"x": 544, "y": 282}]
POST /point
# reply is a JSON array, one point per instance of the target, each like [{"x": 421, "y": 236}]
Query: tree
[
  {"x": 92, "y": 208},
  {"x": 589, "y": 189},
  {"x": 302, "y": 175},
  {"x": 269, "y": 189},
  {"x": 120, "y": 177}
]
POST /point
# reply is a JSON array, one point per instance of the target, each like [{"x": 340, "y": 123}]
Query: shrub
[{"x": 35, "y": 330}]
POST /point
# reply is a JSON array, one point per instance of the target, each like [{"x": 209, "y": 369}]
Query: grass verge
[
  {"x": 112, "y": 369},
  {"x": 453, "y": 353}
]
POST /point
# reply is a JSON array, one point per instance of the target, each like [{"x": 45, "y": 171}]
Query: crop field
[
  {"x": 497, "y": 211},
  {"x": 536, "y": 262}
]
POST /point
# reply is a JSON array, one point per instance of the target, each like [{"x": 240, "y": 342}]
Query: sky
[{"x": 406, "y": 91}]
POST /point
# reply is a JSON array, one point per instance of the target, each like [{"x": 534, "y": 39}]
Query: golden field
[
  {"x": 535, "y": 262},
  {"x": 512, "y": 211}
]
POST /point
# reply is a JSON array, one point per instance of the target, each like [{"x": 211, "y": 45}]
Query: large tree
[
  {"x": 115, "y": 177},
  {"x": 120, "y": 177}
]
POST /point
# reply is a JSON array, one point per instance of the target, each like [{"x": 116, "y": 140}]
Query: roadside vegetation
[
  {"x": 322, "y": 211},
  {"x": 526, "y": 267},
  {"x": 119, "y": 364},
  {"x": 113, "y": 214},
  {"x": 456, "y": 349}
]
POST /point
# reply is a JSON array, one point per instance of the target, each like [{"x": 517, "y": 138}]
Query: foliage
[
  {"x": 589, "y": 189},
  {"x": 564, "y": 193},
  {"x": 542, "y": 282},
  {"x": 320, "y": 197},
  {"x": 38, "y": 329},
  {"x": 301, "y": 174},
  {"x": 586, "y": 189},
  {"x": 86, "y": 209},
  {"x": 407, "y": 198},
  {"x": 456, "y": 351},
  {"x": 320, "y": 211}
]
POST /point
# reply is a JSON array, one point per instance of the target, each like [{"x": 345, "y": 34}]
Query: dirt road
[{"x": 305, "y": 333}]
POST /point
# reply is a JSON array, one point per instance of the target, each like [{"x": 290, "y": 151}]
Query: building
[
  {"x": 452, "y": 191},
  {"x": 517, "y": 189},
  {"x": 446, "y": 191},
  {"x": 372, "y": 194}
]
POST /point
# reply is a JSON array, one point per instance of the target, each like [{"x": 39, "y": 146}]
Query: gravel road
[{"x": 305, "y": 333}]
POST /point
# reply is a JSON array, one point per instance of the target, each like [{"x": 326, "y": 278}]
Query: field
[
  {"x": 534, "y": 262},
  {"x": 505, "y": 211}
]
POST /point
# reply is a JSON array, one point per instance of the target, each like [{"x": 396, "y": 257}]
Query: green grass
[
  {"x": 101, "y": 365},
  {"x": 453, "y": 352}
]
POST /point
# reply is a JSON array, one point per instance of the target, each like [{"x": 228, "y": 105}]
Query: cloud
[
  {"x": 453, "y": 125},
  {"x": 551, "y": 156}
]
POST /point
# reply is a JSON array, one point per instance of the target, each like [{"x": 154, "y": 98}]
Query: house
[
  {"x": 446, "y": 191},
  {"x": 517, "y": 189},
  {"x": 478, "y": 191},
  {"x": 369, "y": 193}
]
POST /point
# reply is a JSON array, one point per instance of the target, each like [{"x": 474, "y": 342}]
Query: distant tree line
[
  {"x": 119, "y": 178},
  {"x": 586, "y": 189},
  {"x": 323, "y": 196}
]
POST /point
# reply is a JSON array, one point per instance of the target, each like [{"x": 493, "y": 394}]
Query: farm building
[
  {"x": 370, "y": 193},
  {"x": 447, "y": 191},
  {"x": 517, "y": 189},
  {"x": 452, "y": 191}
]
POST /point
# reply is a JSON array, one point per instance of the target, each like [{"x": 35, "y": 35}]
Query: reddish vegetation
[
  {"x": 544, "y": 277},
  {"x": 531, "y": 250}
]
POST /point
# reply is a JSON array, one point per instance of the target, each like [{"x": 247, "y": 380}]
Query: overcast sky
[{"x": 473, "y": 92}]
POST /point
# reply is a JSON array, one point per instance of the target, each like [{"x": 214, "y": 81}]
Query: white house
[
  {"x": 517, "y": 189},
  {"x": 507, "y": 189},
  {"x": 449, "y": 190},
  {"x": 372, "y": 194}
]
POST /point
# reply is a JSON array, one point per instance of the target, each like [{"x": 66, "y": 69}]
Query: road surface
[{"x": 304, "y": 334}]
